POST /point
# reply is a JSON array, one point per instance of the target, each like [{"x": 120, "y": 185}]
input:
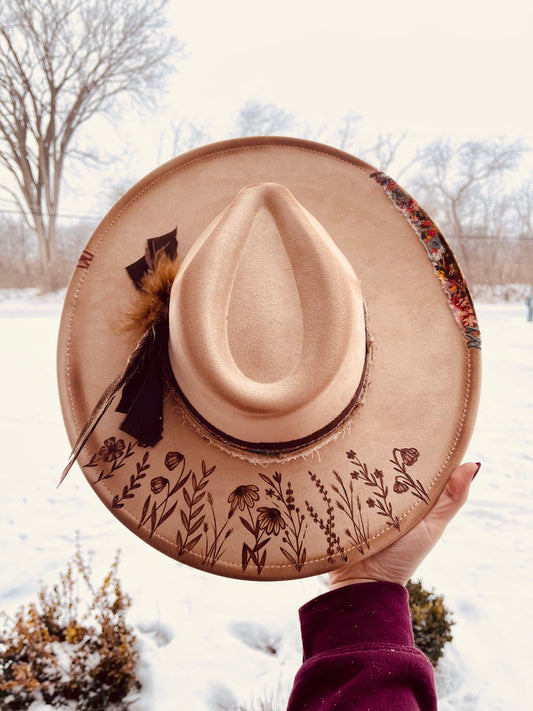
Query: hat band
[
  {"x": 267, "y": 334},
  {"x": 273, "y": 449}
]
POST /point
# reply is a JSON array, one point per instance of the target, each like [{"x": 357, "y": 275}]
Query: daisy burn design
[{"x": 267, "y": 514}]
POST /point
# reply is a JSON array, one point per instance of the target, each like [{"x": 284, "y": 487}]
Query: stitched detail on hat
[{"x": 85, "y": 259}]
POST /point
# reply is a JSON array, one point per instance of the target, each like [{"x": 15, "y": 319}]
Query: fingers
[
  {"x": 452, "y": 498},
  {"x": 399, "y": 561},
  {"x": 460, "y": 480}
]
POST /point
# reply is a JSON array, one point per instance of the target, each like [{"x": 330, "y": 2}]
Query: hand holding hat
[{"x": 398, "y": 562}]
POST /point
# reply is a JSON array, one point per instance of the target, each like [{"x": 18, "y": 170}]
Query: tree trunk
[{"x": 46, "y": 235}]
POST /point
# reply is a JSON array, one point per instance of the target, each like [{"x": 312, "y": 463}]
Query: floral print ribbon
[{"x": 441, "y": 257}]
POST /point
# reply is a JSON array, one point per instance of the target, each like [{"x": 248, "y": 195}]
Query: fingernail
[{"x": 478, "y": 465}]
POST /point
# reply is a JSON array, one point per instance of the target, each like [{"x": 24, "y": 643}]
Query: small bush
[
  {"x": 272, "y": 700},
  {"x": 62, "y": 649},
  {"x": 431, "y": 620},
  {"x": 265, "y": 705}
]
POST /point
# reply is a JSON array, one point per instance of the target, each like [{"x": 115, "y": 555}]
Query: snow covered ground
[{"x": 204, "y": 639}]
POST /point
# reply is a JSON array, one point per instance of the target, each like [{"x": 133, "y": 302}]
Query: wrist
[{"x": 334, "y": 584}]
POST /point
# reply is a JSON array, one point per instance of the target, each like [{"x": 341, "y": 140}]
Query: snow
[{"x": 206, "y": 642}]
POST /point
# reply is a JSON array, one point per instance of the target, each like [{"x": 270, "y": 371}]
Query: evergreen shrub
[{"x": 431, "y": 620}]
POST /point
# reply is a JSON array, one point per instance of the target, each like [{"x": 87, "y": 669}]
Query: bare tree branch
[
  {"x": 385, "y": 150},
  {"x": 347, "y": 131},
  {"x": 19, "y": 204},
  {"x": 61, "y": 62},
  {"x": 461, "y": 186},
  {"x": 257, "y": 119}
]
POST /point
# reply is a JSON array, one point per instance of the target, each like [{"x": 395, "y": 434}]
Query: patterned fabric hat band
[{"x": 287, "y": 377}]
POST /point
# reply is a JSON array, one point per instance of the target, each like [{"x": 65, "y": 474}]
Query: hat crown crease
[
  {"x": 264, "y": 276},
  {"x": 310, "y": 369}
]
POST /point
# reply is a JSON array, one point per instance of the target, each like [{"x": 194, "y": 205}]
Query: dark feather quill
[
  {"x": 133, "y": 367},
  {"x": 141, "y": 381}
]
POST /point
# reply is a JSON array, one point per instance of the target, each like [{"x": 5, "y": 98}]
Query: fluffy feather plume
[
  {"x": 148, "y": 317},
  {"x": 151, "y": 302}
]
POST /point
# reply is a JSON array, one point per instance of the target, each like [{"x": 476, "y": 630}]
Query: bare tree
[
  {"x": 385, "y": 152},
  {"x": 186, "y": 136},
  {"x": 61, "y": 62},
  {"x": 257, "y": 119},
  {"x": 18, "y": 257},
  {"x": 523, "y": 209},
  {"x": 460, "y": 183},
  {"x": 347, "y": 131},
  {"x": 382, "y": 154}
]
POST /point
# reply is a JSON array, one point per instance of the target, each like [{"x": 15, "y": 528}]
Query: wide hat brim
[{"x": 366, "y": 484}]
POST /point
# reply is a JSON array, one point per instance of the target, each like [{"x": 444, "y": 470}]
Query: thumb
[
  {"x": 398, "y": 562},
  {"x": 431, "y": 528},
  {"x": 454, "y": 495}
]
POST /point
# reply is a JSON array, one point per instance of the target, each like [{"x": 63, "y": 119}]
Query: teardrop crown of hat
[{"x": 267, "y": 335}]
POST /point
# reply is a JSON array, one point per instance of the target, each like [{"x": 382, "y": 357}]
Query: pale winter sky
[{"x": 460, "y": 68}]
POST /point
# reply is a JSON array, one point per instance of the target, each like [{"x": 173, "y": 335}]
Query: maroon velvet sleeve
[{"x": 359, "y": 653}]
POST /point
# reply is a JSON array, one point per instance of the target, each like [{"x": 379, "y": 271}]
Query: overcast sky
[{"x": 460, "y": 68}]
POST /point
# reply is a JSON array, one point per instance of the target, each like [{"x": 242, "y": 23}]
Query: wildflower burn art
[{"x": 266, "y": 514}]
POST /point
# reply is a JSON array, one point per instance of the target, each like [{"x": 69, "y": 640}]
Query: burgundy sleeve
[{"x": 359, "y": 653}]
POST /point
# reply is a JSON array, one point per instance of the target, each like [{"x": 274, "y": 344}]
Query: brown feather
[
  {"x": 151, "y": 302},
  {"x": 102, "y": 405},
  {"x": 150, "y": 308}
]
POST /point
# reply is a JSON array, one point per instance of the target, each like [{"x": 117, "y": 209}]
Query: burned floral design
[
  {"x": 112, "y": 449},
  {"x": 270, "y": 520},
  {"x": 214, "y": 548},
  {"x": 158, "y": 483},
  {"x": 244, "y": 496},
  {"x": 359, "y": 531},
  {"x": 440, "y": 255},
  {"x": 295, "y": 525},
  {"x": 195, "y": 524},
  {"x": 192, "y": 516},
  {"x": 283, "y": 519},
  {"x": 254, "y": 552},
  {"x": 268, "y": 517},
  {"x": 155, "y": 512},
  {"x": 399, "y": 486},
  {"x": 114, "y": 452},
  {"x": 376, "y": 481},
  {"x": 172, "y": 460},
  {"x": 404, "y": 482},
  {"x": 134, "y": 483},
  {"x": 402, "y": 459},
  {"x": 326, "y": 525},
  {"x": 408, "y": 456},
  {"x": 179, "y": 496}
]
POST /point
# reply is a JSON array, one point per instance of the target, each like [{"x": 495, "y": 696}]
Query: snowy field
[{"x": 203, "y": 639}]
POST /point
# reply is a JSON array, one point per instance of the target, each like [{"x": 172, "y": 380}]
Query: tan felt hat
[{"x": 269, "y": 360}]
